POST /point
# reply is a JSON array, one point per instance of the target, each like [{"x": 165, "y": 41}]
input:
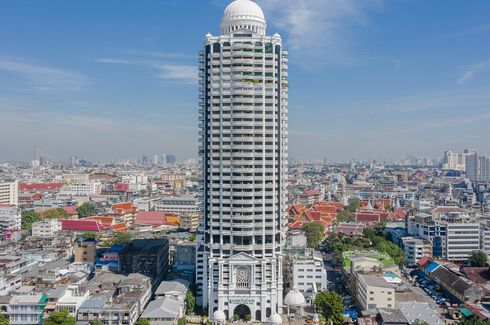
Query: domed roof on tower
[{"x": 243, "y": 14}]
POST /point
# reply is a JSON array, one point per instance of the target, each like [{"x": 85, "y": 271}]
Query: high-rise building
[
  {"x": 155, "y": 160},
  {"x": 171, "y": 159},
  {"x": 9, "y": 192},
  {"x": 453, "y": 161},
  {"x": 471, "y": 164},
  {"x": 243, "y": 164},
  {"x": 484, "y": 168}
]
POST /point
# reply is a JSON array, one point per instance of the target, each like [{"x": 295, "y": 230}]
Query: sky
[{"x": 369, "y": 79}]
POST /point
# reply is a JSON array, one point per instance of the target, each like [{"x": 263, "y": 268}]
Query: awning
[{"x": 466, "y": 312}]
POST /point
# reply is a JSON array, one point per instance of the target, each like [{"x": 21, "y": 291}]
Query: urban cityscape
[{"x": 246, "y": 229}]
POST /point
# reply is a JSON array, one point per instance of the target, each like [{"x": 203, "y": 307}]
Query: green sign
[{"x": 242, "y": 301}]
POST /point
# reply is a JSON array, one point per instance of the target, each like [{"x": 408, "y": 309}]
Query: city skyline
[{"x": 391, "y": 76}]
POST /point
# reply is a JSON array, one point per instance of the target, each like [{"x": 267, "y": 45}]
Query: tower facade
[{"x": 243, "y": 96}]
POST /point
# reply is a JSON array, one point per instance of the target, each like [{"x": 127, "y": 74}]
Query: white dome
[
  {"x": 294, "y": 298},
  {"x": 243, "y": 14},
  {"x": 275, "y": 319},
  {"x": 219, "y": 316}
]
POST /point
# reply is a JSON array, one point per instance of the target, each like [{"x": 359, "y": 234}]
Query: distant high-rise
[
  {"x": 243, "y": 166},
  {"x": 155, "y": 160},
  {"x": 471, "y": 164},
  {"x": 170, "y": 159}
]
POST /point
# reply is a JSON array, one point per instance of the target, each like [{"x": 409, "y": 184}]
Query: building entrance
[{"x": 242, "y": 311}]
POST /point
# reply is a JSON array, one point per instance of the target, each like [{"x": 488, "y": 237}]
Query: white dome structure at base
[
  {"x": 275, "y": 319},
  {"x": 243, "y": 14},
  {"x": 294, "y": 298},
  {"x": 219, "y": 316}
]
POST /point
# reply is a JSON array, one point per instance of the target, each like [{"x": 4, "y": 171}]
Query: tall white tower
[{"x": 243, "y": 98}]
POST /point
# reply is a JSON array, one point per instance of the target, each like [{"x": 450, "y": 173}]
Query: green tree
[
  {"x": 86, "y": 210},
  {"x": 314, "y": 233},
  {"x": 60, "y": 318},
  {"x": 369, "y": 233},
  {"x": 181, "y": 321},
  {"x": 192, "y": 237},
  {"x": 58, "y": 213},
  {"x": 28, "y": 218},
  {"x": 344, "y": 216},
  {"x": 4, "y": 320},
  {"x": 89, "y": 235},
  {"x": 420, "y": 322},
  {"x": 143, "y": 321},
  {"x": 353, "y": 206},
  {"x": 330, "y": 305},
  {"x": 121, "y": 238},
  {"x": 96, "y": 322},
  {"x": 190, "y": 302},
  {"x": 474, "y": 321},
  {"x": 478, "y": 259}
]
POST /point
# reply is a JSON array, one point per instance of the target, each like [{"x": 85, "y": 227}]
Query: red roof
[
  {"x": 105, "y": 221},
  {"x": 82, "y": 225},
  {"x": 7, "y": 205},
  {"x": 424, "y": 260},
  {"x": 119, "y": 227},
  {"x": 368, "y": 217},
  {"x": 152, "y": 218},
  {"x": 71, "y": 210},
  {"x": 39, "y": 186},
  {"x": 123, "y": 208},
  {"x": 313, "y": 215}
]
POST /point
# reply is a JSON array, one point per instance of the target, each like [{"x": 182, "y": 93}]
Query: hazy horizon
[{"x": 368, "y": 79}]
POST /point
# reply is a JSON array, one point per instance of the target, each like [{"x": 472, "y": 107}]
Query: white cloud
[
  {"x": 43, "y": 77},
  {"x": 472, "y": 70},
  {"x": 181, "y": 73},
  {"x": 319, "y": 28}
]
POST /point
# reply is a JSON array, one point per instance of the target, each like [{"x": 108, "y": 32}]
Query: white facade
[
  {"x": 308, "y": 273},
  {"x": 453, "y": 161},
  {"x": 85, "y": 189},
  {"x": 243, "y": 166},
  {"x": 452, "y": 232},
  {"x": 178, "y": 204},
  {"x": 9, "y": 193},
  {"x": 373, "y": 291},
  {"x": 46, "y": 228},
  {"x": 415, "y": 249},
  {"x": 25, "y": 310},
  {"x": 10, "y": 218},
  {"x": 9, "y": 283}
]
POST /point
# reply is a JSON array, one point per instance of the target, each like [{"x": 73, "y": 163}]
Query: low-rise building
[
  {"x": 164, "y": 310},
  {"x": 146, "y": 256},
  {"x": 171, "y": 289},
  {"x": 26, "y": 309},
  {"x": 48, "y": 227},
  {"x": 308, "y": 272},
  {"x": 373, "y": 291},
  {"x": 85, "y": 251},
  {"x": 415, "y": 248},
  {"x": 10, "y": 218}
]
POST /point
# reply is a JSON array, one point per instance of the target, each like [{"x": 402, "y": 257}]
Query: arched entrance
[{"x": 242, "y": 311}]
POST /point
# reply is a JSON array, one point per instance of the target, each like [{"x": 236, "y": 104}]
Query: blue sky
[{"x": 116, "y": 79}]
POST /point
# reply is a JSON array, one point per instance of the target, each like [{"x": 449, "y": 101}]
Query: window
[{"x": 242, "y": 277}]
